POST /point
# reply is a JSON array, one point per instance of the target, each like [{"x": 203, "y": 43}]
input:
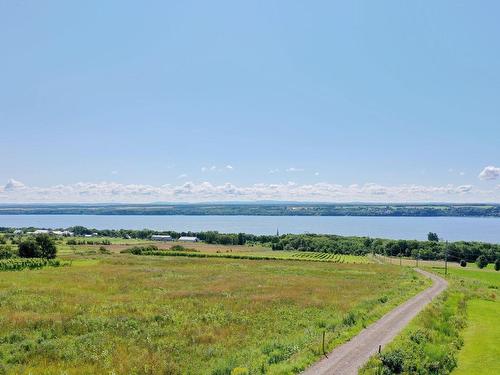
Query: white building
[
  {"x": 188, "y": 239},
  {"x": 63, "y": 233},
  {"x": 41, "y": 231},
  {"x": 160, "y": 237}
]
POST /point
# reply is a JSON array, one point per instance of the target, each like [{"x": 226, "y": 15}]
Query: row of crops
[
  {"x": 329, "y": 257},
  {"x": 274, "y": 255},
  {"x": 17, "y": 264}
]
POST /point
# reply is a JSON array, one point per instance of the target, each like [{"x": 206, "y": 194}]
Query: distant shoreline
[{"x": 259, "y": 209}]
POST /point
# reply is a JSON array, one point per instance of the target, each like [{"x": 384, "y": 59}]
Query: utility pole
[{"x": 418, "y": 253}]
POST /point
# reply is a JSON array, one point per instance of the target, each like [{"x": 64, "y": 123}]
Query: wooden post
[{"x": 324, "y": 352}]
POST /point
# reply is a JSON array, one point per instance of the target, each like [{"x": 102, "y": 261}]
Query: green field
[
  {"x": 481, "y": 352},
  {"x": 127, "y": 314},
  {"x": 481, "y": 349}
]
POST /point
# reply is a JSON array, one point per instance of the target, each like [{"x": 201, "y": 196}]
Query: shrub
[
  {"x": 139, "y": 250},
  {"x": 5, "y": 252},
  {"x": 350, "y": 319},
  {"x": 28, "y": 248},
  {"x": 481, "y": 261},
  {"x": 103, "y": 250},
  {"x": 497, "y": 264},
  {"x": 393, "y": 360},
  {"x": 178, "y": 248},
  {"x": 463, "y": 263}
]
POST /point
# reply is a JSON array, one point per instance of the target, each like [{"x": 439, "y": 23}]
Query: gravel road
[{"x": 349, "y": 357}]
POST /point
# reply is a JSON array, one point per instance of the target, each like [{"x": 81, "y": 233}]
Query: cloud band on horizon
[{"x": 109, "y": 192}]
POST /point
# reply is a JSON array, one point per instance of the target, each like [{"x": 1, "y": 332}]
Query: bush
[
  {"x": 393, "y": 360},
  {"x": 139, "y": 250},
  {"x": 28, "y": 248},
  {"x": 481, "y": 261},
  {"x": 103, "y": 250},
  {"x": 178, "y": 248},
  {"x": 6, "y": 252},
  {"x": 41, "y": 246},
  {"x": 497, "y": 264},
  {"x": 463, "y": 263}
]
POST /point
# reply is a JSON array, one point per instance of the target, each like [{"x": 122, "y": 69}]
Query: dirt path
[{"x": 349, "y": 357}]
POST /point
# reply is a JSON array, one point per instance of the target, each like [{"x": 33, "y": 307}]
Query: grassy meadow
[{"x": 115, "y": 313}]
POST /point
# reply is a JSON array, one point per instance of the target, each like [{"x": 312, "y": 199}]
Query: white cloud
[
  {"x": 15, "y": 191},
  {"x": 114, "y": 172},
  {"x": 13, "y": 185},
  {"x": 273, "y": 171},
  {"x": 490, "y": 173},
  {"x": 182, "y": 176},
  {"x": 462, "y": 173},
  {"x": 316, "y": 173},
  {"x": 214, "y": 168},
  {"x": 293, "y": 169}
]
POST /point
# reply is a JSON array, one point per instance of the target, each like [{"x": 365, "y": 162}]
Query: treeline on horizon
[
  {"x": 425, "y": 250},
  {"x": 260, "y": 209}
]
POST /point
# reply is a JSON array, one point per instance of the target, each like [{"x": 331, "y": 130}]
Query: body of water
[{"x": 449, "y": 228}]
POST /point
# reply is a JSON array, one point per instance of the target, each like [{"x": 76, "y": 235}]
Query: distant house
[
  {"x": 41, "y": 231},
  {"x": 63, "y": 233},
  {"x": 18, "y": 232},
  {"x": 188, "y": 239},
  {"x": 160, "y": 237}
]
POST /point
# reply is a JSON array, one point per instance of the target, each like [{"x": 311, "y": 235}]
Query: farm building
[
  {"x": 188, "y": 239},
  {"x": 41, "y": 231},
  {"x": 63, "y": 233},
  {"x": 159, "y": 237}
]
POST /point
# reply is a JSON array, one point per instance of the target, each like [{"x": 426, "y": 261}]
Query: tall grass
[{"x": 177, "y": 315}]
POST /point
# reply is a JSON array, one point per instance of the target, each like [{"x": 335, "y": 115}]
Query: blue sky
[{"x": 225, "y": 100}]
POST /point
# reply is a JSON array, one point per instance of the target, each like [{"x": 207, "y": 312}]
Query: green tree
[
  {"x": 482, "y": 261},
  {"x": 41, "y": 246},
  {"x": 433, "y": 237},
  {"x": 27, "y": 248},
  {"x": 46, "y": 246},
  {"x": 241, "y": 239},
  {"x": 497, "y": 264}
]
